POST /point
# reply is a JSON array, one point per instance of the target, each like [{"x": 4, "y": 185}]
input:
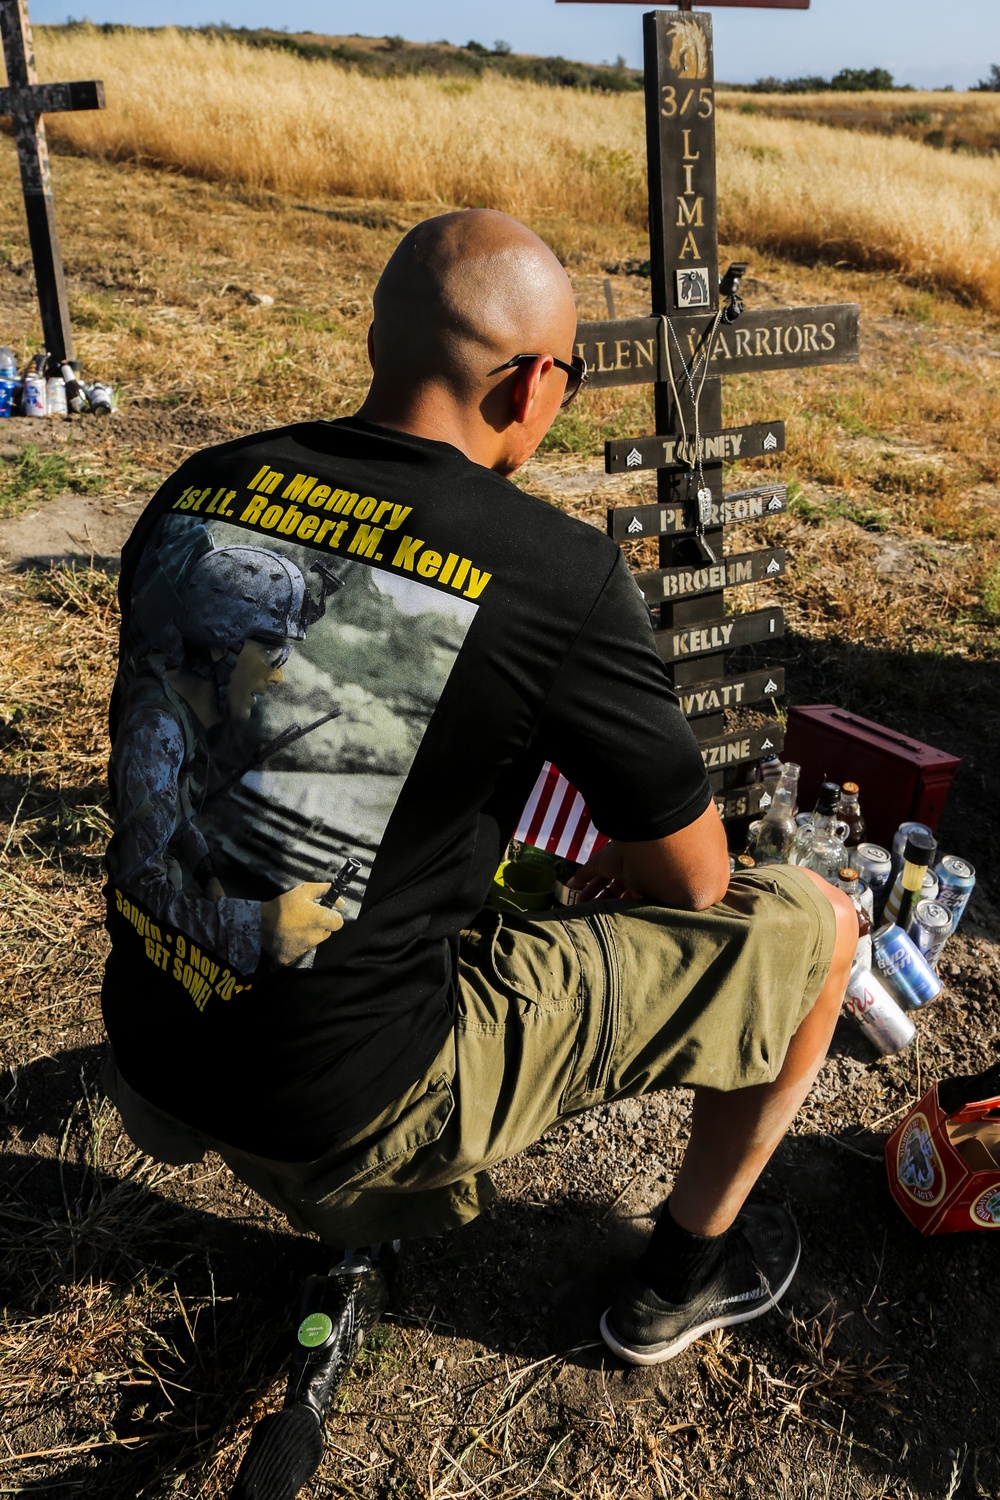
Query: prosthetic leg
[{"x": 337, "y": 1312}]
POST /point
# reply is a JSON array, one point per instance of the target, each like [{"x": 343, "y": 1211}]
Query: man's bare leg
[
  {"x": 733, "y": 1135},
  {"x": 694, "y": 1275}
]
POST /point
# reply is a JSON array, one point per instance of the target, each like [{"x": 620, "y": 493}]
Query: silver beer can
[
  {"x": 55, "y": 396},
  {"x": 884, "y": 1023},
  {"x": 930, "y": 927},
  {"x": 873, "y": 864}
]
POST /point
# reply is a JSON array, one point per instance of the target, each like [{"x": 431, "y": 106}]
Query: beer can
[
  {"x": 905, "y": 971},
  {"x": 930, "y": 926},
  {"x": 873, "y": 864},
  {"x": 55, "y": 396},
  {"x": 887, "y": 1027},
  {"x": 34, "y": 397},
  {"x": 956, "y": 882}
]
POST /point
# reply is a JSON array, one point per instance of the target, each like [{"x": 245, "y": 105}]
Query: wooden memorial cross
[
  {"x": 26, "y": 100},
  {"x": 698, "y": 332}
]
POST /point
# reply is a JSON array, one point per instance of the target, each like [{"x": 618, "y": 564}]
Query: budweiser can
[
  {"x": 930, "y": 926},
  {"x": 907, "y": 974},
  {"x": 887, "y": 1027}
]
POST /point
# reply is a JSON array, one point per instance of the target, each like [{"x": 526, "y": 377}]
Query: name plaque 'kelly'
[
  {"x": 723, "y": 634},
  {"x": 630, "y": 351},
  {"x": 631, "y": 523},
  {"x": 623, "y": 455},
  {"x": 686, "y": 580}
]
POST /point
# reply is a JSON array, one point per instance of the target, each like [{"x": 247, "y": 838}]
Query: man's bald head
[{"x": 461, "y": 294}]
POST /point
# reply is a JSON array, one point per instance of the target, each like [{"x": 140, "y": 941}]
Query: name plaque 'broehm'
[{"x": 682, "y": 582}]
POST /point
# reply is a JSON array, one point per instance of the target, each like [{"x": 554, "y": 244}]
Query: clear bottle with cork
[
  {"x": 849, "y": 809},
  {"x": 777, "y": 827},
  {"x": 819, "y": 845}
]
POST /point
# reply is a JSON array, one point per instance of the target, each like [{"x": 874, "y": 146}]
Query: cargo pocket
[
  {"x": 388, "y": 1161},
  {"x": 538, "y": 962}
]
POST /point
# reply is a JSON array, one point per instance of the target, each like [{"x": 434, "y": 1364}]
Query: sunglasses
[{"x": 576, "y": 372}]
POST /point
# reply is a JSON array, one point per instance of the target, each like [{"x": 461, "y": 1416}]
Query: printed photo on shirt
[{"x": 271, "y": 701}]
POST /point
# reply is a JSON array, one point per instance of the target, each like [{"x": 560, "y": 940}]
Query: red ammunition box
[
  {"x": 900, "y": 779},
  {"x": 931, "y": 1181}
]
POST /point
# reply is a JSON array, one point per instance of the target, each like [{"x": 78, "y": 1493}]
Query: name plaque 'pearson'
[
  {"x": 630, "y": 351},
  {"x": 744, "y": 744},
  {"x": 685, "y": 581},
  {"x": 631, "y": 523},
  {"x": 626, "y": 455},
  {"x": 724, "y": 634},
  {"x": 731, "y": 692}
]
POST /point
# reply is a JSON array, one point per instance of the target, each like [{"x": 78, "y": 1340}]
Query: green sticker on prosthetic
[{"x": 314, "y": 1330}]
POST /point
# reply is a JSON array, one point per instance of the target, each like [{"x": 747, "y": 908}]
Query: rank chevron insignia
[
  {"x": 633, "y": 459},
  {"x": 770, "y": 686},
  {"x": 774, "y": 503},
  {"x": 765, "y": 800},
  {"x": 634, "y": 526},
  {"x": 770, "y": 443},
  {"x": 774, "y": 566}
]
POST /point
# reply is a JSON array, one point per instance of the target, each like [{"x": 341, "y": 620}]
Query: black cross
[
  {"x": 686, "y": 292},
  {"x": 26, "y": 100}
]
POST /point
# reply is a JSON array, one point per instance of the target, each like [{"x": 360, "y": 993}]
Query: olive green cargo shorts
[{"x": 557, "y": 1013}]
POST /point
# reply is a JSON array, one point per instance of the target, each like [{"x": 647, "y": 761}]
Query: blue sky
[{"x": 920, "y": 41}]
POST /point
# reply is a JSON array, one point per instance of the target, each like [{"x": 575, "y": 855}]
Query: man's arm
[{"x": 687, "y": 870}]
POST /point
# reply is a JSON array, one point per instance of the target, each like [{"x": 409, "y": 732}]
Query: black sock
[{"x": 676, "y": 1263}]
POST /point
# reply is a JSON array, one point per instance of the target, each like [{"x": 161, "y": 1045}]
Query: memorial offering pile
[
  {"x": 146, "y": 1307},
  {"x": 49, "y": 388}
]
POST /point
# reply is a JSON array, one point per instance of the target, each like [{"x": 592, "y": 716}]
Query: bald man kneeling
[{"x": 456, "y": 633}]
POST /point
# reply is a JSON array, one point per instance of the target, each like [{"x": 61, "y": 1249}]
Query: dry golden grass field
[{"x": 144, "y": 1307}]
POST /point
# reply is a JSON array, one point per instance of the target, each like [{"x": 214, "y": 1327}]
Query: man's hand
[
  {"x": 293, "y": 923},
  {"x": 602, "y": 878},
  {"x": 688, "y": 870}
]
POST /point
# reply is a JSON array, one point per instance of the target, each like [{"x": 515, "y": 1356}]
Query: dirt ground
[{"x": 146, "y": 1308}]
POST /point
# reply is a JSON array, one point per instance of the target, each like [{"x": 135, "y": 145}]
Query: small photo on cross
[{"x": 692, "y": 287}]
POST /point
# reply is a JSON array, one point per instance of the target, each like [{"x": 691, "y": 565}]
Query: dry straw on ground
[{"x": 222, "y": 111}]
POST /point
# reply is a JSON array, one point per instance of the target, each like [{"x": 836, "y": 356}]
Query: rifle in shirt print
[{"x": 264, "y": 752}]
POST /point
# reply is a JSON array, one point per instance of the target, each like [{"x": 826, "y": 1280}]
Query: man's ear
[{"x": 526, "y": 386}]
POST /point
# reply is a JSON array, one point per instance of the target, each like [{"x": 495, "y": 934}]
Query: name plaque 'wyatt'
[
  {"x": 624, "y": 455},
  {"x": 731, "y": 692},
  {"x": 723, "y": 634},
  {"x": 686, "y": 580},
  {"x": 632, "y": 523},
  {"x": 630, "y": 351}
]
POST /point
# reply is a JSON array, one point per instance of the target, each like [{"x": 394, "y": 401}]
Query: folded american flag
[{"x": 556, "y": 819}]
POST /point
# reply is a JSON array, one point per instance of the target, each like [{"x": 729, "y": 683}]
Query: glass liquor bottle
[
  {"x": 818, "y": 845},
  {"x": 849, "y": 811},
  {"x": 777, "y": 827}
]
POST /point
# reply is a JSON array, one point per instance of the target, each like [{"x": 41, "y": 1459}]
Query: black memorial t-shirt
[{"x": 347, "y": 649}]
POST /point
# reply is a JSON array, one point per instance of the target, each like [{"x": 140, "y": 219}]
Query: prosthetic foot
[{"x": 337, "y": 1313}]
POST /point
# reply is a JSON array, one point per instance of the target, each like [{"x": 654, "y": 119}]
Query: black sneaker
[{"x": 761, "y": 1257}]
